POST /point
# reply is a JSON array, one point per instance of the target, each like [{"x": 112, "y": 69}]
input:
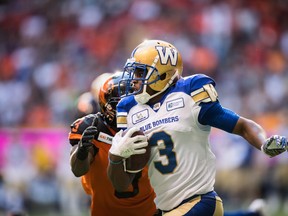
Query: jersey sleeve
[
  {"x": 204, "y": 94},
  {"x": 78, "y": 127},
  {"x": 123, "y": 108},
  {"x": 215, "y": 115},
  {"x": 202, "y": 89}
]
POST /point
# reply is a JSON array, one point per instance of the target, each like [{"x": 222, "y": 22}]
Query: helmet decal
[{"x": 166, "y": 54}]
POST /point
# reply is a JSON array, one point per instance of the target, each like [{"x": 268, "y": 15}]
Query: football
[{"x": 139, "y": 161}]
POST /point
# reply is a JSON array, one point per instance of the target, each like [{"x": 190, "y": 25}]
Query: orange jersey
[{"x": 139, "y": 200}]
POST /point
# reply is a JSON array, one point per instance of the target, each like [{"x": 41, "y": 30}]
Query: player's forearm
[
  {"x": 79, "y": 167},
  {"x": 251, "y": 131},
  {"x": 119, "y": 178}
]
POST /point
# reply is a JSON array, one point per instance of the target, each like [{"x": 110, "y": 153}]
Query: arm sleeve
[{"x": 214, "y": 115}]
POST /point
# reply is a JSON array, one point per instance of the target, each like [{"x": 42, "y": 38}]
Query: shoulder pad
[
  {"x": 78, "y": 127},
  {"x": 81, "y": 124}
]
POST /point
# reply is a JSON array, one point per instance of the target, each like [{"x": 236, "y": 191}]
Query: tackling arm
[
  {"x": 81, "y": 137},
  {"x": 80, "y": 167}
]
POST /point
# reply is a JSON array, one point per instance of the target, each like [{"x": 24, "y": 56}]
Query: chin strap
[{"x": 144, "y": 97}]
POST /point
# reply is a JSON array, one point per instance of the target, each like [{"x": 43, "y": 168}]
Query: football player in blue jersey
[{"x": 176, "y": 115}]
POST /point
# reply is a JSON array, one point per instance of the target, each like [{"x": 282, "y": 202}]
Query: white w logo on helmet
[{"x": 166, "y": 54}]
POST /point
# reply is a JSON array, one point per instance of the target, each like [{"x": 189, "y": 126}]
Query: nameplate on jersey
[
  {"x": 140, "y": 116},
  {"x": 175, "y": 104},
  {"x": 205, "y": 94},
  {"x": 103, "y": 137}
]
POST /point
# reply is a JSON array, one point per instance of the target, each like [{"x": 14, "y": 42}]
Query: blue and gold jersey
[{"x": 178, "y": 127}]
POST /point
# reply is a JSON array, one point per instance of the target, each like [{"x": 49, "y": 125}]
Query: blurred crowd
[{"x": 51, "y": 51}]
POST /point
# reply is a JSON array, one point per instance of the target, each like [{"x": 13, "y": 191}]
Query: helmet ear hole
[{"x": 163, "y": 76}]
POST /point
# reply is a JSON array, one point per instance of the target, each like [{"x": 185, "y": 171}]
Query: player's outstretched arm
[
  {"x": 251, "y": 131},
  {"x": 83, "y": 153},
  {"x": 256, "y": 136}
]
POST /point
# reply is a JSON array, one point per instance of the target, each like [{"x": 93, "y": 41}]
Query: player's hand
[
  {"x": 86, "y": 142},
  {"x": 275, "y": 145},
  {"x": 125, "y": 146}
]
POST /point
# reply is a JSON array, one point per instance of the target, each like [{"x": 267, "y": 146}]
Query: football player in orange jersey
[{"x": 91, "y": 138}]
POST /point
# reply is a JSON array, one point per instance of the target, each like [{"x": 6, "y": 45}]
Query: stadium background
[{"x": 50, "y": 51}]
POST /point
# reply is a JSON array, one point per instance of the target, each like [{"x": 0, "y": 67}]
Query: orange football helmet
[{"x": 109, "y": 96}]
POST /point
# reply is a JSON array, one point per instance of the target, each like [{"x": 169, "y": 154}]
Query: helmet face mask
[
  {"x": 154, "y": 63},
  {"x": 139, "y": 72}
]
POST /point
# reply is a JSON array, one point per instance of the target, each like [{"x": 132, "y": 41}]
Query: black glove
[{"x": 86, "y": 142}]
